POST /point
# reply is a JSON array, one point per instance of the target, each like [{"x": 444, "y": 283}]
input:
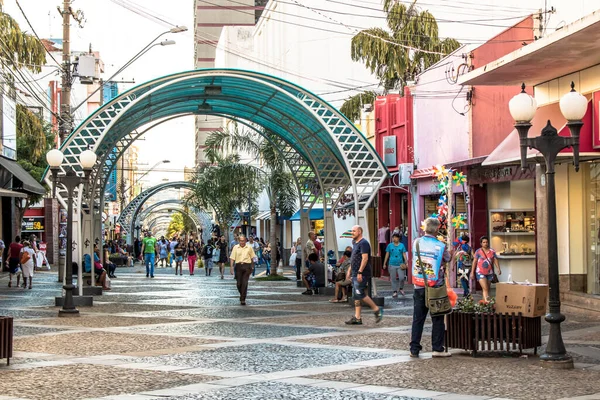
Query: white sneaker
[{"x": 441, "y": 354}]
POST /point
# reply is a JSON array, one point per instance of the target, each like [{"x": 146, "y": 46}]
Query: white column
[
  {"x": 304, "y": 229},
  {"x": 330, "y": 232}
]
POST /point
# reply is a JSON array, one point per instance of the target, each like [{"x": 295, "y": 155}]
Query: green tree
[
  {"x": 19, "y": 49},
  {"x": 176, "y": 226},
  {"x": 397, "y": 55},
  {"x": 34, "y": 139},
  {"x": 275, "y": 176},
  {"x": 224, "y": 185}
]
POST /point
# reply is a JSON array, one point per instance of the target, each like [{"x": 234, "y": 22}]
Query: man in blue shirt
[{"x": 361, "y": 273}]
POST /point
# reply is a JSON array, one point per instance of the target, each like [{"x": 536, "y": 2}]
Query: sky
[{"x": 118, "y": 34}]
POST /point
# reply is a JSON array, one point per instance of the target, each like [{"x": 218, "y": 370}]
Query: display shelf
[
  {"x": 514, "y": 233},
  {"x": 516, "y": 256}
]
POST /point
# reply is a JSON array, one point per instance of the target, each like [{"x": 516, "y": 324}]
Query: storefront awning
[
  {"x": 11, "y": 193},
  {"x": 24, "y": 181},
  {"x": 263, "y": 215},
  {"x": 570, "y": 49},
  {"x": 509, "y": 150},
  {"x": 315, "y": 215}
]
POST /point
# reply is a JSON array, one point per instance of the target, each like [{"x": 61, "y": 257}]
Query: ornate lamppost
[
  {"x": 573, "y": 107},
  {"x": 70, "y": 180}
]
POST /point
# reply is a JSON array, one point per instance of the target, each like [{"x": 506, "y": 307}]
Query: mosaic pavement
[{"x": 187, "y": 337}]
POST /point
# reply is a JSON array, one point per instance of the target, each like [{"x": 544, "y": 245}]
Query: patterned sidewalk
[{"x": 186, "y": 337}]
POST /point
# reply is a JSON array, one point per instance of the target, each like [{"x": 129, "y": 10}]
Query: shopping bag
[{"x": 292, "y": 262}]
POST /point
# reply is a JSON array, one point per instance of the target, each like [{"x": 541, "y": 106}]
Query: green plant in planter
[{"x": 469, "y": 305}]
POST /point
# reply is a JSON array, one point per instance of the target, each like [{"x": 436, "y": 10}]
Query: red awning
[{"x": 509, "y": 151}]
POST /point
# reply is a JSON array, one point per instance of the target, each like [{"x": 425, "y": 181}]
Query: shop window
[{"x": 594, "y": 231}]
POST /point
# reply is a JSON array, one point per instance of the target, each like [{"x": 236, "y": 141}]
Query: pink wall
[{"x": 491, "y": 119}]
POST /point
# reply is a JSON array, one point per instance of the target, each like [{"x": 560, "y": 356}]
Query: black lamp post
[
  {"x": 573, "y": 106},
  {"x": 70, "y": 180},
  {"x": 137, "y": 230}
]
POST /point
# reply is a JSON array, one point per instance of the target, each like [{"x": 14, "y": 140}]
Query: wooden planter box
[
  {"x": 493, "y": 332},
  {"x": 6, "y": 338}
]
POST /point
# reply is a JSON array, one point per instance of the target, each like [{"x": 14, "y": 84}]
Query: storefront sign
[
  {"x": 479, "y": 175},
  {"x": 596, "y": 119},
  {"x": 389, "y": 151},
  {"x": 32, "y": 224}
]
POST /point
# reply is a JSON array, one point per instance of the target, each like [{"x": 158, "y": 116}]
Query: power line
[{"x": 36, "y": 35}]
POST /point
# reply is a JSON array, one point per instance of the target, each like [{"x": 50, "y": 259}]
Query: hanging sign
[{"x": 389, "y": 151}]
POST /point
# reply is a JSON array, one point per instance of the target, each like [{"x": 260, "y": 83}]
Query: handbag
[
  {"x": 494, "y": 276},
  {"x": 436, "y": 298}
]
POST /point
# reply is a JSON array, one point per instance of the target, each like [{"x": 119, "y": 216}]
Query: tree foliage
[
  {"x": 176, "y": 225},
  {"x": 19, "y": 49},
  {"x": 399, "y": 54},
  {"x": 273, "y": 175}
]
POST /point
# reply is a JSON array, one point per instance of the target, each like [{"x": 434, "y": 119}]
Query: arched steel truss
[
  {"x": 343, "y": 164},
  {"x": 204, "y": 218},
  {"x": 170, "y": 211},
  {"x": 129, "y": 214}
]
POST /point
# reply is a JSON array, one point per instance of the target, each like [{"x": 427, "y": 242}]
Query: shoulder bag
[
  {"x": 494, "y": 276},
  {"x": 436, "y": 298}
]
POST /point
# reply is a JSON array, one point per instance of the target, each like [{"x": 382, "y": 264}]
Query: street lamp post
[
  {"x": 573, "y": 106},
  {"x": 70, "y": 180}
]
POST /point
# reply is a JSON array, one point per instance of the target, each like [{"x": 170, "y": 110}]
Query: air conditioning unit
[{"x": 404, "y": 173}]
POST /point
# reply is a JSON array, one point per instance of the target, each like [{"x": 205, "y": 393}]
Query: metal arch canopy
[
  {"x": 335, "y": 148},
  {"x": 130, "y": 212},
  {"x": 171, "y": 210}
]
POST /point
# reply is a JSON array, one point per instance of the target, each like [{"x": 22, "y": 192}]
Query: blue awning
[{"x": 315, "y": 215}]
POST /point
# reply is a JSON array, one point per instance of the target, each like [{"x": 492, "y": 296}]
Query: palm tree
[
  {"x": 277, "y": 180},
  {"x": 397, "y": 55},
  {"x": 223, "y": 185}
]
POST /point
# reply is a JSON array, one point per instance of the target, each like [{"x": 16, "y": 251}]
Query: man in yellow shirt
[{"x": 243, "y": 257}]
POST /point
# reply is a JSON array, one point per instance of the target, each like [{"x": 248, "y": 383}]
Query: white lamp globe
[
  {"x": 573, "y": 105},
  {"x": 522, "y": 107},
  {"x": 87, "y": 159},
  {"x": 54, "y": 158}
]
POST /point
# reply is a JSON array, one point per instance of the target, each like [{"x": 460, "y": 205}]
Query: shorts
[
  {"x": 179, "y": 258},
  {"x": 346, "y": 282},
  {"x": 359, "y": 288},
  {"x": 14, "y": 266},
  {"x": 488, "y": 277}
]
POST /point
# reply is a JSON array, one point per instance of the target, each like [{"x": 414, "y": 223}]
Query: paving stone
[
  {"x": 283, "y": 391},
  {"x": 117, "y": 308},
  {"x": 33, "y": 330},
  {"x": 97, "y": 343},
  {"x": 212, "y": 302},
  {"x": 521, "y": 378},
  {"x": 262, "y": 358},
  {"x": 218, "y": 313},
  {"x": 230, "y": 329},
  {"x": 68, "y": 382},
  {"x": 338, "y": 320},
  {"x": 379, "y": 340},
  {"x": 103, "y": 321},
  {"x": 23, "y": 314}
]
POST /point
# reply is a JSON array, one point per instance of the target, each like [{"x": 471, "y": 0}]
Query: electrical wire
[{"x": 36, "y": 35}]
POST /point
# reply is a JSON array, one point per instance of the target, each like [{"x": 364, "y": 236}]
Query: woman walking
[
  {"x": 298, "y": 251},
  {"x": 396, "y": 254},
  {"x": 163, "y": 251},
  {"x": 28, "y": 260},
  {"x": 178, "y": 258},
  {"x": 266, "y": 254},
  {"x": 486, "y": 260},
  {"x": 223, "y": 256},
  {"x": 192, "y": 247}
]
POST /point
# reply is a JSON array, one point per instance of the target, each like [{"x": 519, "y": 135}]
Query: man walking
[
  {"x": 243, "y": 256},
  {"x": 432, "y": 253},
  {"x": 149, "y": 250},
  {"x": 361, "y": 273},
  {"x": 310, "y": 248},
  {"x": 255, "y": 248}
]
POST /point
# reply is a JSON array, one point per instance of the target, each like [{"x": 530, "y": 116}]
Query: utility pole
[{"x": 66, "y": 119}]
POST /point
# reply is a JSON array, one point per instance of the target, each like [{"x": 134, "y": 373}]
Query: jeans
[
  {"x": 465, "y": 285},
  {"x": 242, "y": 274},
  {"x": 397, "y": 276},
  {"x": 298, "y": 268},
  {"x": 208, "y": 265},
  {"x": 268, "y": 264},
  {"x": 419, "y": 316},
  {"x": 171, "y": 259},
  {"x": 149, "y": 259}
]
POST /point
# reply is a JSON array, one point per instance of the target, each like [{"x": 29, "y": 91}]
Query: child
[
  {"x": 28, "y": 261},
  {"x": 464, "y": 262}
]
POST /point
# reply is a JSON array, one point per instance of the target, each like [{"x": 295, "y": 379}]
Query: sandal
[{"x": 334, "y": 301}]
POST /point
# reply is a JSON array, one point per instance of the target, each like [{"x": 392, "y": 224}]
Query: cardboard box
[{"x": 529, "y": 300}]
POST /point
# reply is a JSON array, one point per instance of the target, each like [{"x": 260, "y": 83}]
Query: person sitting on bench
[
  {"x": 343, "y": 279},
  {"x": 314, "y": 276}
]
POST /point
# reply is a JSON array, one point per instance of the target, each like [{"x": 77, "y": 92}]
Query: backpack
[{"x": 25, "y": 256}]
